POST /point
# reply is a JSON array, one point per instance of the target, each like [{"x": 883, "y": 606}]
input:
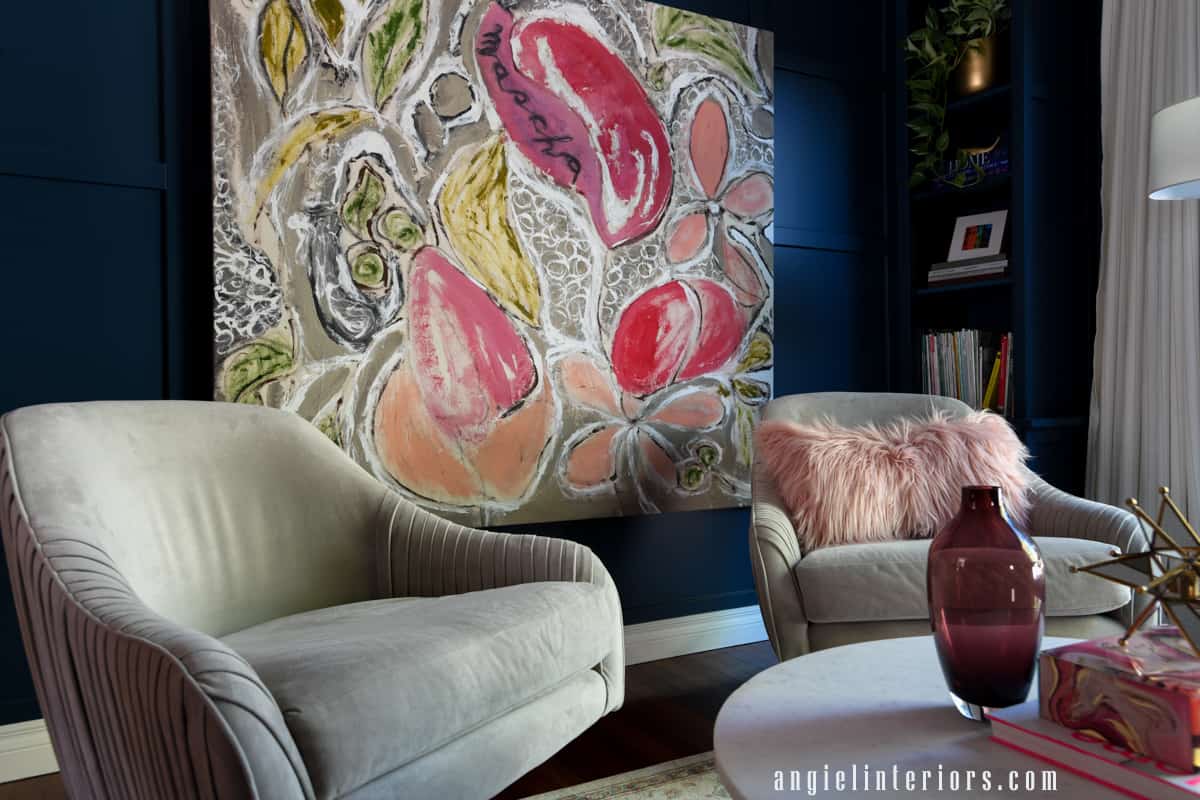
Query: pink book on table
[{"x": 1021, "y": 729}]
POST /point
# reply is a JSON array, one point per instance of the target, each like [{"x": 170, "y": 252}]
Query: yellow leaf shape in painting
[
  {"x": 332, "y": 17},
  {"x": 474, "y": 209},
  {"x": 758, "y": 353},
  {"x": 323, "y": 125},
  {"x": 282, "y": 45}
]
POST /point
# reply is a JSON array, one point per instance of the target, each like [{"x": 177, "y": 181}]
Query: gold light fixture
[
  {"x": 977, "y": 70},
  {"x": 1168, "y": 571}
]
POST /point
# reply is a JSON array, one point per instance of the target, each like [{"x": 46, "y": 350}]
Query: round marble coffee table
[{"x": 874, "y": 705}]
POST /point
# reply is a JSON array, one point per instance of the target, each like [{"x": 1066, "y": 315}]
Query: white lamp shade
[{"x": 1175, "y": 152}]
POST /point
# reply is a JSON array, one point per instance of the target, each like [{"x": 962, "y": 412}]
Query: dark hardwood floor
[
  {"x": 46, "y": 787},
  {"x": 670, "y": 707}
]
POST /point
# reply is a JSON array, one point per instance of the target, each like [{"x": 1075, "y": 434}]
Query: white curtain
[{"x": 1145, "y": 416}]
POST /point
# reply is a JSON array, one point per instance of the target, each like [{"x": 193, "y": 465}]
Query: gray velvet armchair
[
  {"x": 839, "y": 595},
  {"x": 216, "y": 602}
]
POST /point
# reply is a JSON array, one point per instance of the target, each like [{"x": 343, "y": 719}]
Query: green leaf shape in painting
[
  {"x": 367, "y": 267},
  {"x": 390, "y": 45},
  {"x": 752, "y": 392},
  {"x": 282, "y": 46},
  {"x": 758, "y": 353},
  {"x": 474, "y": 208},
  {"x": 332, "y": 17},
  {"x": 656, "y": 77},
  {"x": 324, "y": 125},
  {"x": 692, "y": 475},
  {"x": 248, "y": 368},
  {"x": 328, "y": 425},
  {"x": 744, "y": 423},
  {"x": 363, "y": 201},
  {"x": 397, "y": 228},
  {"x": 707, "y": 453},
  {"x": 714, "y": 39}
]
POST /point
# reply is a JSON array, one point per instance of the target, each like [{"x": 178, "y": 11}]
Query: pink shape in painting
[
  {"x": 464, "y": 419},
  {"x": 667, "y": 336},
  {"x": 471, "y": 363},
  {"x": 673, "y": 332},
  {"x": 591, "y": 459},
  {"x": 709, "y": 147},
  {"x": 746, "y": 198},
  {"x": 577, "y": 112}
]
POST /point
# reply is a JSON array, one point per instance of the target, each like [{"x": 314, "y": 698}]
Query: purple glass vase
[{"x": 987, "y": 604}]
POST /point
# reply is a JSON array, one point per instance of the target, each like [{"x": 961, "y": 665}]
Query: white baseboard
[
  {"x": 25, "y": 751},
  {"x": 667, "y": 638}
]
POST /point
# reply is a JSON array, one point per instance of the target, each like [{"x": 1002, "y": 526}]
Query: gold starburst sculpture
[{"x": 1168, "y": 571}]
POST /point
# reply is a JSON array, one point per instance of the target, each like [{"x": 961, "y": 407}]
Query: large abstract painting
[{"x": 514, "y": 257}]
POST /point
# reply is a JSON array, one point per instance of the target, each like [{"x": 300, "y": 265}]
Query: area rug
[{"x": 691, "y": 778}]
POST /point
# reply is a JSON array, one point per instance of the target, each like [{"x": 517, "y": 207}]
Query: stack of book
[
  {"x": 971, "y": 365},
  {"x": 1021, "y": 728},
  {"x": 969, "y": 269},
  {"x": 1123, "y": 712}
]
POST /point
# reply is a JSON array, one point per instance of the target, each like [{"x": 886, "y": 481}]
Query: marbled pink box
[{"x": 1144, "y": 697}]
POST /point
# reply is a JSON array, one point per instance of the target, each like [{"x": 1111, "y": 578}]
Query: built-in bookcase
[{"x": 1045, "y": 102}]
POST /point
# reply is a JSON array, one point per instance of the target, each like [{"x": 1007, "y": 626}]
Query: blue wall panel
[
  {"x": 829, "y": 164},
  {"x": 82, "y": 95},
  {"x": 830, "y": 306},
  {"x": 81, "y": 225},
  {"x": 668, "y": 565},
  {"x": 83, "y": 313},
  {"x": 82, "y": 320}
]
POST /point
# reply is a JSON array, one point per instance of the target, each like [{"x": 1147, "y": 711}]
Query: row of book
[
  {"x": 969, "y": 269},
  {"x": 1118, "y": 710},
  {"x": 1085, "y": 754},
  {"x": 974, "y": 366}
]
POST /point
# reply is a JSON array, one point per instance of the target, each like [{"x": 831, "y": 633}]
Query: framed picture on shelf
[{"x": 977, "y": 236}]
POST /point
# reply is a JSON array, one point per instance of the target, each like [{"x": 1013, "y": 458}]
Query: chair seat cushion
[
  {"x": 886, "y": 581},
  {"x": 368, "y": 687}
]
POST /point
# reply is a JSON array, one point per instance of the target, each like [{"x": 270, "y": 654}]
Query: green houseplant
[{"x": 935, "y": 51}]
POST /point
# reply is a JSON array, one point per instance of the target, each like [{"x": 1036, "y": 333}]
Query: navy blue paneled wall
[
  {"x": 104, "y": 226},
  {"x": 830, "y": 195},
  {"x": 104, "y": 241}
]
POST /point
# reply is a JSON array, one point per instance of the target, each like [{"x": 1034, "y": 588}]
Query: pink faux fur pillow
[{"x": 897, "y": 481}]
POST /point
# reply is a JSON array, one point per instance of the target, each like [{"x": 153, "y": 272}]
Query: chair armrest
[
  {"x": 774, "y": 553},
  {"x": 424, "y": 555},
  {"x": 137, "y": 706},
  {"x": 1057, "y": 513}
]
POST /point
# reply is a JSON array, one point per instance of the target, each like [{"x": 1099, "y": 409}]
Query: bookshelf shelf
[
  {"x": 975, "y": 101},
  {"x": 1046, "y": 104},
  {"x": 1056, "y": 422},
  {"x": 965, "y": 286},
  {"x": 992, "y": 183}
]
